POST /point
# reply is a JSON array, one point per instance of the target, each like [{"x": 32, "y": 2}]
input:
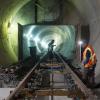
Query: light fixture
[{"x": 80, "y": 42}]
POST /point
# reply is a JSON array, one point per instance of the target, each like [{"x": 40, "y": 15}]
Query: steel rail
[
  {"x": 88, "y": 92},
  {"x": 25, "y": 79}
]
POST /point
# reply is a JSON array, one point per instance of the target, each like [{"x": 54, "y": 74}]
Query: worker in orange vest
[{"x": 89, "y": 61}]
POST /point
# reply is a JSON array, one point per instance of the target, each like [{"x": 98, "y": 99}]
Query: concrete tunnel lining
[{"x": 8, "y": 11}]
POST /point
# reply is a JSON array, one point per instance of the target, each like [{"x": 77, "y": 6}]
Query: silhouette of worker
[{"x": 50, "y": 46}]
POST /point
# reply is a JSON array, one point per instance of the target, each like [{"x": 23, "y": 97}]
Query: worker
[
  {"x": 50, "y": 46},
  {"x": 89, "y": 61}
]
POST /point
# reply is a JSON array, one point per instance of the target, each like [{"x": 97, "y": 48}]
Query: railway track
[{"x": 51, "y": 77}]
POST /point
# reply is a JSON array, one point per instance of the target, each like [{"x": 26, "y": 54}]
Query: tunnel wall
[
  {"x": 8, "y": 11},
  {"x": 90, "y": 11},
  {"x": 95, "y": 41}
]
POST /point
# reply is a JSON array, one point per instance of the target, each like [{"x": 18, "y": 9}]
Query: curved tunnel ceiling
[{"x": 8, "y": 11}]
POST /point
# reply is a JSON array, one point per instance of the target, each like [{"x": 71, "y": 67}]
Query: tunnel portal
[{"x": 40, "y": 36}]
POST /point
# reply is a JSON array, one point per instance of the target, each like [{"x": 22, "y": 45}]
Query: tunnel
[
  {"x": 22, "y": 14},
  {"x": 63, "y": 35},
  {"x": 64, "y": 21}
]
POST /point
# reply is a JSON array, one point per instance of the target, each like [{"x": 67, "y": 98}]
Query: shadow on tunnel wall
[{"x": 85, "y": 32}]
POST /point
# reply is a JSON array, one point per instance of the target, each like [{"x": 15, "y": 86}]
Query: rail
[
  {"x": 88, "y": 92},
  {"x": 23, "y": 82}
]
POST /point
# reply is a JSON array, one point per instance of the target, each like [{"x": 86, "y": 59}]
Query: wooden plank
[
  {"x": 55, "y": 92},
  {"x": 51, "y": 64},
  {"x": 59, "y": 93}
]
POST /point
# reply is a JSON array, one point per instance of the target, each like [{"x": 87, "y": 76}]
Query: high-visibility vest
[{"x": 92, "y": 59}]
